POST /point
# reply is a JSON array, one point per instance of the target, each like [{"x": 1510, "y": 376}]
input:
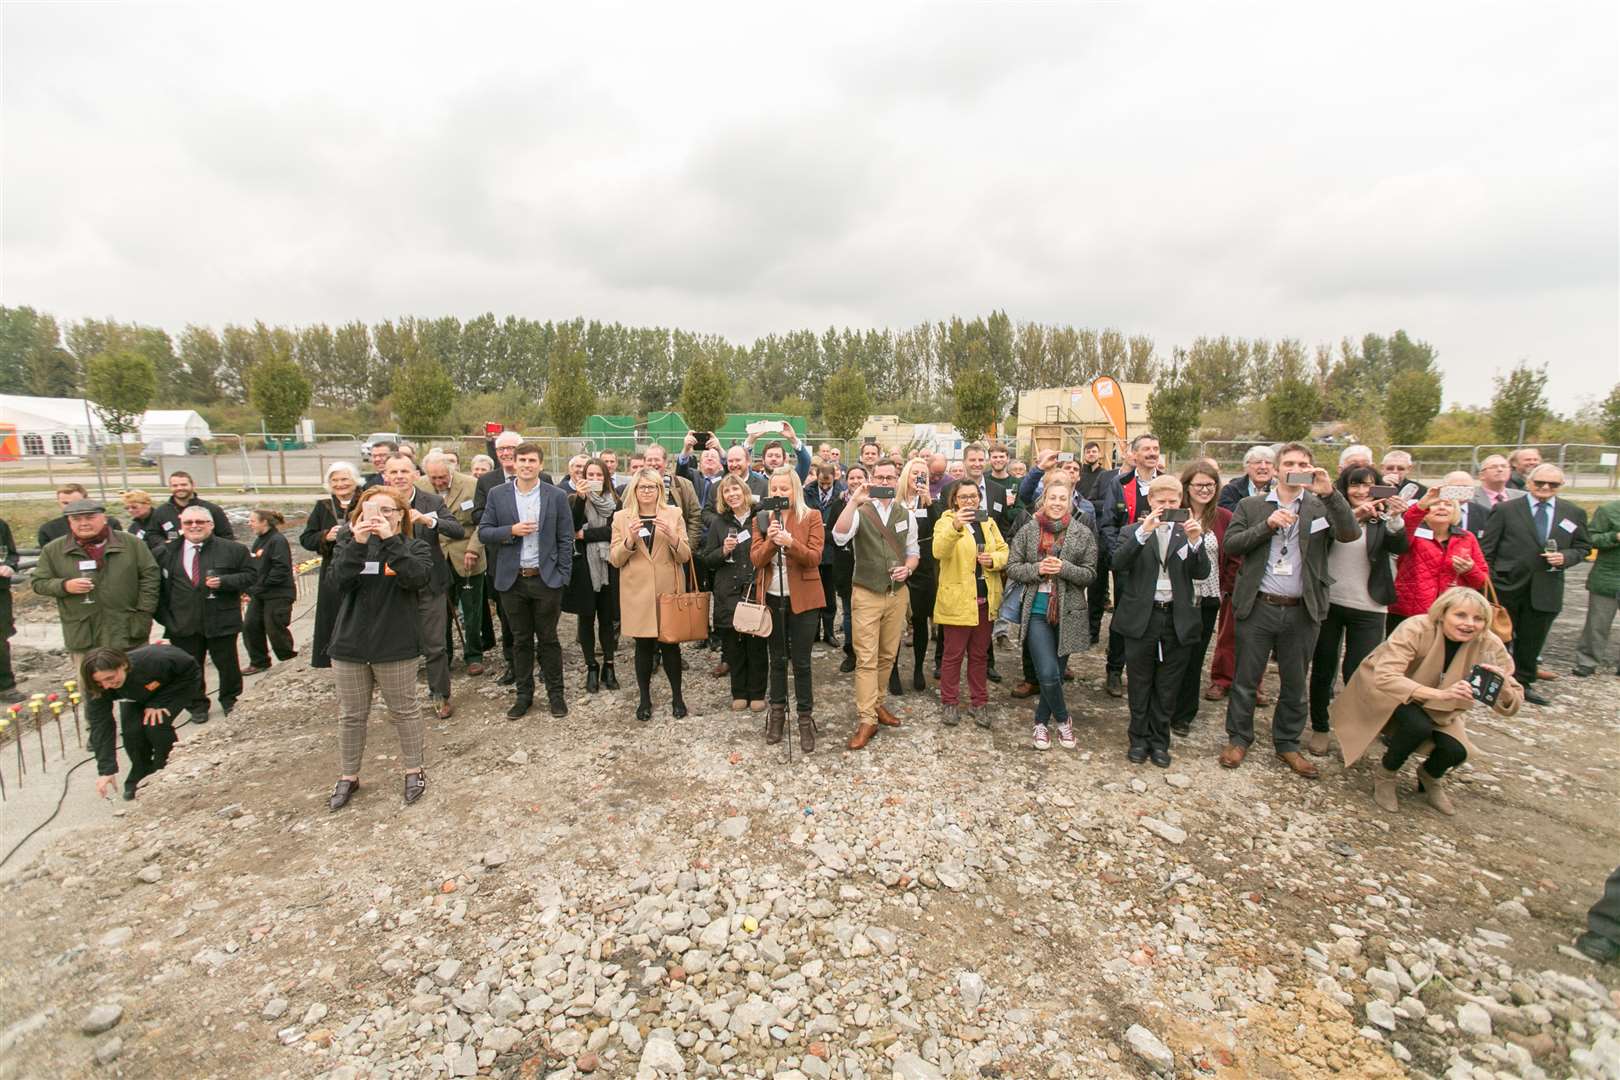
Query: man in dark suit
[
  {"x": 1529, "y": 544},
  {"x": 1126, "y": 496},
  {"x": 1521, "y": 463},
  {"x": 1157, "y": 615},
  {"x": 201, "y": 603},
  {"x": 430, "y": 519},
  {"x": 1259, "y": 470},
  {"x": 57, "y": 527},
  {"x": 502, "y": 447},
  {"x": 1281, "y": 597},
  {"x": 528, "y": 531}
]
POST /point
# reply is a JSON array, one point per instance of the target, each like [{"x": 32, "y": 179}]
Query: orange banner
[{"x": 1111, "y": 400}]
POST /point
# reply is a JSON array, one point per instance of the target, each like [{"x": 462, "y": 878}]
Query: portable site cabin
[
  {"x": 173, "y": 431},
  {"x": 57, "y": 427}
]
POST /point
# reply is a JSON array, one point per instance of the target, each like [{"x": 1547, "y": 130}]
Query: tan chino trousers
[{"x": 877, "y": 623}]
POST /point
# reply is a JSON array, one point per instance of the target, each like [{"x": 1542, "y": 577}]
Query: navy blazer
[
  {"x": 1136, "y": 566},
  {"x": 556, "y": 536},
  {"x": 1513, "y": 550}
]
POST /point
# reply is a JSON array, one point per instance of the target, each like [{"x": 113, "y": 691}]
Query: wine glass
[{"x": 90, "y": 575}]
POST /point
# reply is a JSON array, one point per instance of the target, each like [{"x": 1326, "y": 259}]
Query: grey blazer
[{"x": 1248, "y": 538}]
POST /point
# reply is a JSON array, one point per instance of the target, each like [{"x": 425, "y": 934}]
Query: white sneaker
[
  {"x": 1042, "y": 741},
  {"x": 1066, "y": 735}
]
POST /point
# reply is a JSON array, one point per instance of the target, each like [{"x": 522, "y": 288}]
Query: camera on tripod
[{"x": 773, "y": 505}]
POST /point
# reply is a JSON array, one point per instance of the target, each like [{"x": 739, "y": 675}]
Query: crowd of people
[{"x": 1388, "y": 609}]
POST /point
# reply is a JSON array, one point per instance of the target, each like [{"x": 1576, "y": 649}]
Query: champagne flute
[{"x": 90, "y": 576}]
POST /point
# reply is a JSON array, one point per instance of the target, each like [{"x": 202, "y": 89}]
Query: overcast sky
[{"x": 1298, "y": 169}]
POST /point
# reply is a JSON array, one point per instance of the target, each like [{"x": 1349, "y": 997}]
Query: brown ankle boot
[
  {"x": 807, "y": 732},
  {"x": 775, "y": 724}
]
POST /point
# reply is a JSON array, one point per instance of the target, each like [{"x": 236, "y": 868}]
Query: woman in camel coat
[
  {"x": 651, "y": 549},
  {"x": 1415, "y": 685}
]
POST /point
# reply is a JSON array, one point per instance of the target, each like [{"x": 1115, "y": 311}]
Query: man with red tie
[{"x": 201, "y": 603}]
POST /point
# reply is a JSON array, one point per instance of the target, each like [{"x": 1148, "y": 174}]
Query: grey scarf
[{"x": 599, "y": 511}]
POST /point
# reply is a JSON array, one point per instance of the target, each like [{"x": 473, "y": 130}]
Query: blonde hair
[
  {"x": 136, "y": 495},
  {"x": 794, "y": 487},
  {"x": 632, "y": 497},
  {"x": 1164, "y": 482},
  {"x": 907, "y": 488},
  {"x": 1456, "y": 596}
]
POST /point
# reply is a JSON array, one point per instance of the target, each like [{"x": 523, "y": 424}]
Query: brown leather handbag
[
  {"x": 1501, "y": 621},
  {"x": 684, "y": 616}
]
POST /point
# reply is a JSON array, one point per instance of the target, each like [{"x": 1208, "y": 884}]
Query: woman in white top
[
  {"x": 1362, "y": 590},
  {"x": 786, "y": 553},
  {"x": 1200, "y": 493}
]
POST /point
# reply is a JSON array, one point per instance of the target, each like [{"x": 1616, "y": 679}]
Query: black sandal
[
  {"x": 415, "y": 785},
  {"x": 342, "y": 792}
]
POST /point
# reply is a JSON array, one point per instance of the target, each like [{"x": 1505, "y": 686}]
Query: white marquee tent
[{"x": 63, "y": 427}]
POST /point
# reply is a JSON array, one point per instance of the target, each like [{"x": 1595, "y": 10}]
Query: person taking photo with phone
[
  {"x": 650, "y": 546},
  {"x": 1280, "y": 597},
  {"x": 725, "y": 552},
  {"x": 1440, "y": 553},
  {"x": 972, "y": 556},
  {"x": 1418, "y": 687},
  {"x": 592, "y": 595},
  {"x": 786, "y": 553}
]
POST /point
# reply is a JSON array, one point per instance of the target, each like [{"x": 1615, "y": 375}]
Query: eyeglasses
[
  {"x": 1202, "y": 487},
  {"x": 1547, "y": 483}
]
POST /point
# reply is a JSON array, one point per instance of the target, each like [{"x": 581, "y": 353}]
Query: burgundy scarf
[
  {"x": 96, "y": 548},
  {"x": 1052, "y": 533}
]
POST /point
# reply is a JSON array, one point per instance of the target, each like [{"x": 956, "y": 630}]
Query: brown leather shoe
[
  {"x": 722, "y": 668},
  {"x": 1543, "y": 675},
  {"x": 887, "y": 718},
  {"x": 1215, "y": 692},
  {"x": 1262, "y": 700},
  {"x": 475, "y": 668},
  {"x": 1233, "y": 756},
  {"x": 863, "y": 735},
  {"x": 1296, "y": 761},
  {"x": 445, "y": 710},
  {"x": 1025, "y": 690}
]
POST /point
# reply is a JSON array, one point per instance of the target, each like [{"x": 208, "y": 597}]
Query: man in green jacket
[
  {"x": 1603, "y": 583},
  {"x": 105, "y": 582}
]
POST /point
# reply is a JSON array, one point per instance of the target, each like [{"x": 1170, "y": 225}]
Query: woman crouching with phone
[
  {"x": 377, "y": 570},
  {"x": 1418, "y": 686}
]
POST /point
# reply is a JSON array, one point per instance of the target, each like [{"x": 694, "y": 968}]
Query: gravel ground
[{"x": 594, "y": 896}]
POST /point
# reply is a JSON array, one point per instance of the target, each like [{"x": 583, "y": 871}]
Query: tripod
[{"x": 780, "y": 560}]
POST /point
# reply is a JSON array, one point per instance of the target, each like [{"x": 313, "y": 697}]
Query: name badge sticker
[
  {"x": 168, "y": 526},
  {"x": 373, "y": 566},
  {"x": 1568, "y": 526},
  {"x": 645, "y": 532},
  {"x": 467, "y": 504},
  {"x": 1318, "y": 525},
  {"x": 1186, "y": 551},
  {"x": 1283, "y": 568},
  {"x": 1423, "y": 533},
  {"x": 87, "y": 564},
  {"x": 902, "y": 525}
]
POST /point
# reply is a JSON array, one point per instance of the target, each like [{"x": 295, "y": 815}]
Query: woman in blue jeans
[{"x": 1055, "y": 558}]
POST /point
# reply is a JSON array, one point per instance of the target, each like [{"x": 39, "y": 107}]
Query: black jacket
[
  {"x": 1513, "y": 550},
  {"x": 732, "y": 573},
  {"x": 160, "y": 677},
  {"x": 1381, "y": 544},
  {"x": 186, "y": 610},
  {"x": 1136, "y": 568},
  {"x": 577, "y": 597},
  {"x": 273, "y": 568},
  {"x": 57, "y": 527},
  {"x": 166, "y": 518},
  {"x": 1235, "y": 491},
  {"x": 377, "y": 582},
  {"x": 424, "y": 503},
  {"x": 322, "y": 516},
  {"x": 144, "y": 529}
]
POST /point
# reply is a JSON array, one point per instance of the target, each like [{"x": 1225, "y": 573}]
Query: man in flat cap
[{"x": 105, "y": 582}]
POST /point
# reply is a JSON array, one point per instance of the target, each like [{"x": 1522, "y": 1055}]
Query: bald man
[{"x": 1529, "y": 544}]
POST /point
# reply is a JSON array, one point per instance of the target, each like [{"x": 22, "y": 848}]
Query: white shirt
[
  {"x": 193, "y": 553},
  {"x": 528, "y": 509},
  {"x": 1162, "y": 591},
  {"x": 909, "y": 538}
]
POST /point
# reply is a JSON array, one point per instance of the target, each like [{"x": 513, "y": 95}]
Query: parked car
[
  {"x": 377, "y": 437},
  {"x": 172, "y": 447}
]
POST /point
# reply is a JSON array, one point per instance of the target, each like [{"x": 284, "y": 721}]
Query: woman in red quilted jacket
[{"x": 1441, "y": 554}]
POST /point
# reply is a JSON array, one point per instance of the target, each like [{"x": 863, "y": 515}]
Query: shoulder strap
[{"x": 888, "y": 534}]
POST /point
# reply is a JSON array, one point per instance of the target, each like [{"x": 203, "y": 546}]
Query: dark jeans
[
  {"x": 267, "y": 625},
  {"x": 1529, "y": 632},
  {"x": 922, "y": 609},
  {"x": 1291, "y": 633},
  {"x": 148, "y": 746},
  {"x": 791, "y": 638},
  {"x": 844, "y": 595},
  {"x": 222, "y": 651},
  {"x": 532, "y": 609},
  {"x": 1156, "y": 663},
  {"x": 1097, "y": 594},
  {"x": 598, "y": 622},
  {"x": 647, "y": 650},
  {"x": 746, "y": 656},
  {"x": 829, "y": 590},
  {"x": 1409, "y": 728},
  {"x": 1040, "y": 647},
  {"x": 1185, "y": 710},
  {"x": 327, "y": 602},
  {"x": 467, "y": 597},
  {"x": 1361, "y": 632},
  {"x": 1603, "y": 920}
]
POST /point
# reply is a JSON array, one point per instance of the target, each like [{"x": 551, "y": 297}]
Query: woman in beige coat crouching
[{"x": 1416, "y": 686}]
